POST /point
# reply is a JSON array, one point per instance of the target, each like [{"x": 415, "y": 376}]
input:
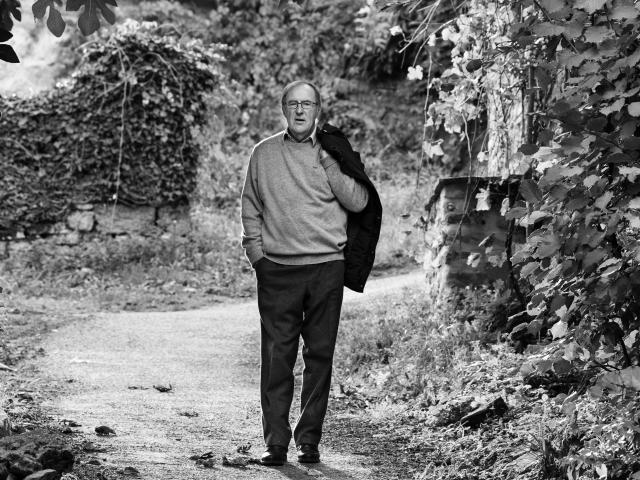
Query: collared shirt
[{"x": 314, "y": 138}]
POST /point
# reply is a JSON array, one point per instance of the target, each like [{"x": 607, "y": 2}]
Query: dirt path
[{"x": 210, "y": 359}]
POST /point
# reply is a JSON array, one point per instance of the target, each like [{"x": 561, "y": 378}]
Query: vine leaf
[
  {"x": 530, "y": 191},
  {"x": 634, "y": 109},
  {"x": 590, "y": 5},
  {"x": 559, "y": 329},
  {"x": 552, "y": 6},
  {"x": 597, "y": 34},
  {"x": 529, "y": 148},
  {"x": 547, "y": 29},
  {"x": 55, "y": 23},
  {"x": 474, "y": 65},
  {"x": 620, "y": 12},
  {"x": 88, "y": 20}
]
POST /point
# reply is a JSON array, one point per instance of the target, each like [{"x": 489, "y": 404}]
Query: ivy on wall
[{"x": 120, "y": 130}]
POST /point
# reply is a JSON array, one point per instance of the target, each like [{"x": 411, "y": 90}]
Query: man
[{"x": 296, "y": 205}]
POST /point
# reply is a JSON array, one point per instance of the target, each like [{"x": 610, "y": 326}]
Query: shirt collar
[{"x": 313, "y": 137}]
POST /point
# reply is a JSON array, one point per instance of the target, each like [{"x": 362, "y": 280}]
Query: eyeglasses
[{"x": 305, "y": 104}]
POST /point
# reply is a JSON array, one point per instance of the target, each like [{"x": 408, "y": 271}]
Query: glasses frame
[{"x": 294, "y": 104}]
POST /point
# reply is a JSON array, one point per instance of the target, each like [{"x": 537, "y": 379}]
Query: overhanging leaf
[
  {"x": 5, "y": 35},
  {"x": 88, "y": 20},
  {"x": 55, "y": 23},
  {"x": 10, "y": 8},
  {"x": 8, "y": 54}
]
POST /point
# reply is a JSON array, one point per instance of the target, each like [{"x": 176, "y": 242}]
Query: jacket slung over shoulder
[{"x": 363, "y": 228}]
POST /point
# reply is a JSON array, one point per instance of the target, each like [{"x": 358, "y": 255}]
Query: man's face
[{"x": 299, "y": 120}]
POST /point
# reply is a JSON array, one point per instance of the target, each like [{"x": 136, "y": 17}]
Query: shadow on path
[{"x": 297, "y": 471}]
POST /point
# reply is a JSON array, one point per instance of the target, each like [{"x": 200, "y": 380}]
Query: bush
[{"x": 120, "y": 130}]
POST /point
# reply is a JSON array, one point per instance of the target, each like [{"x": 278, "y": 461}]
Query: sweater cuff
[
  {"x": 326, "y": 160},
  {"x": 254, "y": 254}
]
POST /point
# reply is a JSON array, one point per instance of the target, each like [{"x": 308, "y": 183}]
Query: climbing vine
[{"x": 568, "y": 72}]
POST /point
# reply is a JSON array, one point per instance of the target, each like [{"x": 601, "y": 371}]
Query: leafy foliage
[
  {"x": 119, "y": 131},
  {"x": 576, "y": 68},
  {"x": 88, "y": 20}
]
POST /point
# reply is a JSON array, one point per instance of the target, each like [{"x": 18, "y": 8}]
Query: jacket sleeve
[
  {"x": 251, "y": 213},
  {"x": 352, "y": 195}
]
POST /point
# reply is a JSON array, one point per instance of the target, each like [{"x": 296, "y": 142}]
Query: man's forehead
[{"x": 301, "y": 91}]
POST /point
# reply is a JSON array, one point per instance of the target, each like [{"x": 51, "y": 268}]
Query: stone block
[
  {"x": 124, "y": 220},
  {"x": 19, "y": 246},
  {"x": 85, "y": 207},
  {"x": 174, "y": 220},
  {"x": 81, "y": 221},
  {"x": 71, "y": 238}
]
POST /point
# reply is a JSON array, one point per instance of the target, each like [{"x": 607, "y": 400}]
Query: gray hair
[{"x": 292, "y": 85}]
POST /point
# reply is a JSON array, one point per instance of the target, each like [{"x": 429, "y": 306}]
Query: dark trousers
[{"x": 294, "y": 301}]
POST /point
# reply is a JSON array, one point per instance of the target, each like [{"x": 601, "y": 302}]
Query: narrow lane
[{"x": 210, "y": 359}]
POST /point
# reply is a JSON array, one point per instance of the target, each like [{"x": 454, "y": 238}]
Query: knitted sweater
[{"x": 294, "y": 203}]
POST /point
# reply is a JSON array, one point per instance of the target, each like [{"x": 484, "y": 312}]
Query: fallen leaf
[
  {"x": 131, "y": 472},
  {"x": 235, "y": 461},
  {"x": 104, "y": 430},
  {"x": 188, "y": 414},
  {"x": 162, "y": 388},
  {"x": 244, "y": 449},
  {"x": 71, "y": 423}
]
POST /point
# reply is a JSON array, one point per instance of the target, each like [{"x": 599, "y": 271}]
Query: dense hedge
[{"x": 119, "y": 130}]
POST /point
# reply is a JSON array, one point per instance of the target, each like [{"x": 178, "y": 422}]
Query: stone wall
[
  {"x": 458, "y": 234},
  {"x": 89, "y": 220}
]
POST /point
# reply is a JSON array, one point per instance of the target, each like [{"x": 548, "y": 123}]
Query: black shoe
[
  {"x": 308, "y": 453},
  {"x": 274, "y": 455}
]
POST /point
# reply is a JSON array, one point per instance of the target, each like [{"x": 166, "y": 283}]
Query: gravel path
[{"x": 210, "y": 358}]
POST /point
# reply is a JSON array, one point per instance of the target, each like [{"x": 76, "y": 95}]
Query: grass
[{"x": 409, "y": 366}]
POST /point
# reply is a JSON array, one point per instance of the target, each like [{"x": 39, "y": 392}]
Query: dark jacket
[{"x": 363, "y": 228}]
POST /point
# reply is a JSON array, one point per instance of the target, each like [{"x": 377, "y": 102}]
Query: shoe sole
[
  {"x": 309, "y": 460},
  {"x": 273, "y": 464}
]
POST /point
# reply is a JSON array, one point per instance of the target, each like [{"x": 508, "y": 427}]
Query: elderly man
[{"x": 304, "y": 186}]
